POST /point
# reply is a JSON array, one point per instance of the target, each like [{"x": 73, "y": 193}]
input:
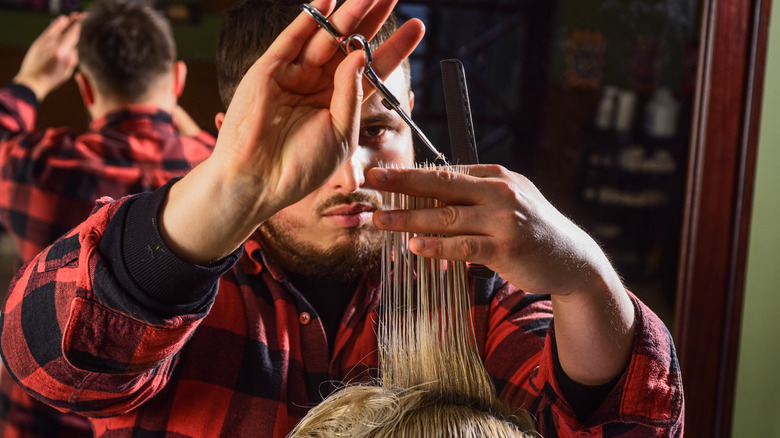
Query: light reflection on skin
[{"x": 330, "y": 230}]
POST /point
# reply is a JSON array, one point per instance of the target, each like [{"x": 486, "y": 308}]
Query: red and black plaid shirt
[
  {"x": 49, "y": 181},
  {"x": 109, "y": 323}
]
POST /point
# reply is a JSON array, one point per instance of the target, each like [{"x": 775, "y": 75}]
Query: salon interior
[{"x": 649, "y": 123}]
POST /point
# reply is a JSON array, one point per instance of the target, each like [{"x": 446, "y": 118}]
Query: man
[
  {"x": 129, "y": 80},
  {"x": 171, "y": 328}
]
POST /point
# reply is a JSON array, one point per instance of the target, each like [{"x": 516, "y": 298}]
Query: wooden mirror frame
[{"x": 717, "y": 211}]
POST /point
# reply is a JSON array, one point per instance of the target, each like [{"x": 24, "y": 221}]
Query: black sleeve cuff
[
  {"x": 584, "y": 399},
  {"x": 148, "y": 270},
  {"x": 22, "y": 92}
]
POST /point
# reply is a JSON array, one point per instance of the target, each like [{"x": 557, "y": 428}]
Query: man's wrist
[
  {"x": 203, "y": 219},
  {"x": 38, "y": 89},
  {"x": 24, "y": 93}
]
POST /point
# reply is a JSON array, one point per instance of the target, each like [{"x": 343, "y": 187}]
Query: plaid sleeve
[
  {"x": 18, "y": 109},
  {"x": 149, "y": 281},
  {"x": 646, "y": 401},
  {"x": 74, "y": 351}
]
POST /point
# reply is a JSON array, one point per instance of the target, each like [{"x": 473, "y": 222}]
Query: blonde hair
[{"x": 432, "y": 381}]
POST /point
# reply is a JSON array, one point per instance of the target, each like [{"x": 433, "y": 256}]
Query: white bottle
[
  {"x": 661, "y": 114},
  {"x": 605, "y": 113},
  {"x": 626, "y": 104}
]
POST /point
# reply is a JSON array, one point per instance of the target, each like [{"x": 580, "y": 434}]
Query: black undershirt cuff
[
  {"x": 24, "y": 93},
  {"x": 148, "y": 270},
  {"x": 584, "y": 399}
]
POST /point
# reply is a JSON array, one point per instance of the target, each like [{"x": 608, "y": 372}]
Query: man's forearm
[
  {"x": 208, "y": 215},
  {"x": 594, "y": 328}
]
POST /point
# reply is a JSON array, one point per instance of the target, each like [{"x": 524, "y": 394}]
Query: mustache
[{"x": 363, "y": 197}]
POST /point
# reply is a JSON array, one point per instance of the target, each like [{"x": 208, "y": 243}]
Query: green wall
[
  {"x": 20, "y": 28},
  {"x": 757, "y": 405}
]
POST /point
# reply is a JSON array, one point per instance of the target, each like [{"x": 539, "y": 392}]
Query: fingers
[
  {"x": 302, "y": 43},
  {"x": 473, "y": 249},
  {"x": 449, "y": 220},
  {"x": 487, "y": 170},
  {"x": 317, "y": 49},
  {"x": 374, "y": 19},
  {"x": 63, "y": 26},
  {"x": 468, "y": 235},
  {"x": 348, "y": 17},
  {"x": 289, "y": 44},
  {"x": 70, "y": 37},
  {"x": 347, "y": 96},
  {"x": 398, "y": 47},
  {"x": 51, "y": 58},
  {"x": 446, "y": 186},
  {"x": 57, "y": 26},
  {"x": 388, "y": 56},
  {"x": 364, "y": 17},
  {"x": 478, "y": 210}
]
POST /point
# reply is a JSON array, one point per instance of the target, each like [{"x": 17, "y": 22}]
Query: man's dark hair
[
  {"x": 125, "y": 45},
  {"x": 249, "y": 28}
]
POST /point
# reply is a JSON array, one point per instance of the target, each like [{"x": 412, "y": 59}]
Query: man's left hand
[{"x": 52, "y": 57}]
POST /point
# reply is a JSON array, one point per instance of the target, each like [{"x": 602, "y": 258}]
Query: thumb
[{"x": 347, "y": 97}]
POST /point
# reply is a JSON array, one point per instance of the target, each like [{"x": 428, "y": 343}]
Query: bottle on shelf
[
  {"x": 626, "y": 106},
  {"x": 661, "y": 114},
  {"x": 605, "y": 113}
]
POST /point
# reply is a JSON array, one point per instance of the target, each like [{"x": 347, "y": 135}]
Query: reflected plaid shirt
[
  {"x": 104, "y": 341},
  {"x": 49, "y": 181}
]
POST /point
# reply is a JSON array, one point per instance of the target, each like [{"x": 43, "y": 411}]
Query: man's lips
[
  {"x": 350, "y": 209},
  {"x": 350, "y": 215}
]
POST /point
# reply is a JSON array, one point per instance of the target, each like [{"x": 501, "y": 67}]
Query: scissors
[{"x": 358, "y": 42}]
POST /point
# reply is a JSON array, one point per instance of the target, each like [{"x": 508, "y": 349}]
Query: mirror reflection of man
[{"x": 138, "y": 139}]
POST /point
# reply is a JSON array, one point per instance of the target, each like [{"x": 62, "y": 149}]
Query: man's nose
[{"x": 352, "y": 174}]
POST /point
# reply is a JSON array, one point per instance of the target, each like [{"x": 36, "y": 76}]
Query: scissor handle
[
  {"x": 323, "y": 21},
  {"x": 358, "y": 42}
]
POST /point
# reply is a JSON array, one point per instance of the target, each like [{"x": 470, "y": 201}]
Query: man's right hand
[
  {"x": 293, "y": 121},
  {"x": 52, "y": 57}
]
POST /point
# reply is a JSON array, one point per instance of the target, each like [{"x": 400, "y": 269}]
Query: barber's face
[{"x": 330, "y": 232}]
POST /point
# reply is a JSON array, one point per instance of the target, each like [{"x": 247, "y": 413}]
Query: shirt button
[{"x": 304, "y": 318}]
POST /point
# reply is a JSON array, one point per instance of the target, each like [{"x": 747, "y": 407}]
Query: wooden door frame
[{"x": 717, "y": 210}]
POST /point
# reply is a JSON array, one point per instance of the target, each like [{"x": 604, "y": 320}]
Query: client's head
[
  {"x": 432, "y": 381},
  {"x": 379, "y": 411}
]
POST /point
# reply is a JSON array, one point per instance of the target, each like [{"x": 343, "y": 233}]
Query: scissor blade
[
  {"x": 418, "y": 132},
  {"x": 392, "y": 103}
]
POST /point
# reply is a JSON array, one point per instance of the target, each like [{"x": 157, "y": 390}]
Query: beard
[{"x": 357, "y": 252}]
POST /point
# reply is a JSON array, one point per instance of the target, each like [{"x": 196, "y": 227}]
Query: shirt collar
[
  {"x": 263, "y": 260},
  {"x": 133, "y": 114}
]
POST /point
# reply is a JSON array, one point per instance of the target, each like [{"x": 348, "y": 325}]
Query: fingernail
[
  {"x": 381, "y": 175},
  {"x": 417, "y": 244},
  {"x": 386, "y": 217}
]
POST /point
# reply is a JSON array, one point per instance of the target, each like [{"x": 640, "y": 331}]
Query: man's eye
[{"x": 374, "y": 131}]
